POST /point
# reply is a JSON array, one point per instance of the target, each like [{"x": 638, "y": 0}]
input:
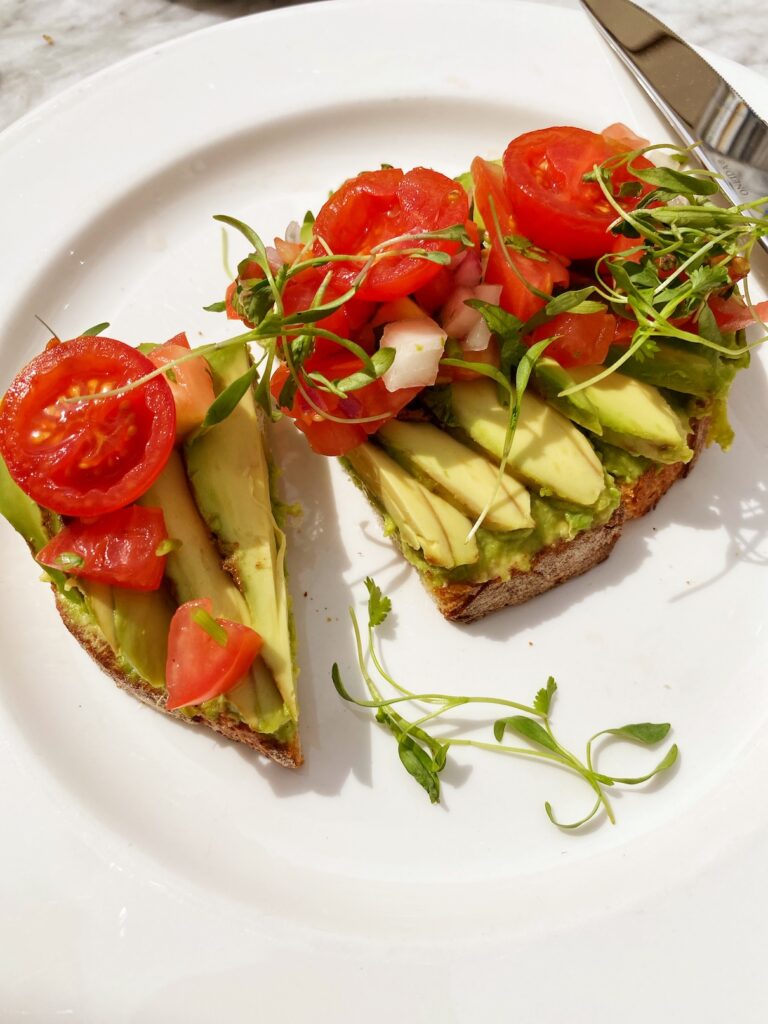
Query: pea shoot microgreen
[{"x": 424, "y": 754}]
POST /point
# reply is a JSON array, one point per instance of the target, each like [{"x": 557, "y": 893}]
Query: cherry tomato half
[
  {"x": 553, "y": 205},
  {"x": 86, "y": 458},
  {"x": 200, "y": 668},
  {"x": 191, "y": 385},
  {"x": 119, "y": 548},
  {"x": 543, "y": 273},
  {"x": 379, "y": 205}
]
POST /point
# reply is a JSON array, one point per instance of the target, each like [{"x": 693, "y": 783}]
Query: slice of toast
[
  {"x": 90, "y": 636},
  {"x": 255, "y": 712},
  {"x": 557, "y": 563}
]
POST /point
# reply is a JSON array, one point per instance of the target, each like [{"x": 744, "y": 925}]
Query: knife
[{"x": 731, "y": 139}]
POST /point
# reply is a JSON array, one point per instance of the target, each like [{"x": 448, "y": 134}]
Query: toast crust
[
  {"x": 467, "y": 602},
  {"x": 287, "y": 754}
]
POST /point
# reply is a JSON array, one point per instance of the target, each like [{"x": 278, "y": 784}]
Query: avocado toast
[
  {"x": 224, "y": 544},
  {"x": 513, "y": 363}
]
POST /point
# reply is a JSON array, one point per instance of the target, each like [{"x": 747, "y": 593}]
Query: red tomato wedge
[
  {"x": 552, "y": 204},
  {"x": 584, "y": 338},
  {"x": 326, "y": 436},
  {"x": 732, "y": 315},
  {"x": 191, "y": 385},
  {"x": 379, "y": 205},
  {"x": 86, "y": 458},
  {"x": 542, "y": 274},
  {"x": 199, "y": 667},
  {"x": 119, "y": 548}
]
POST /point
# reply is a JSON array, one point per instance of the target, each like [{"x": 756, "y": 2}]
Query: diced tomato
[
  {"x": 200, "y": 668},
  {"x": 732, "y": 315},
  {"x": 119, "y": 549},
  {"x": 543, "y": 274},
  {"x": 86, "y": 458},
  {"x": 326, "y": 436},
  {"x": 190, "y": 385},
  {"x": 299, "y": 294},
  {"x": 619, "y": 135},
  {"x": 378, "y": 205},
  {"x": 431, "y": 296},
  {"x": 487, "y": 357},
  {"x": 584, "y": 338},
  {"x": 624, "y": 332},
  {"x": 552, "y": 204}
]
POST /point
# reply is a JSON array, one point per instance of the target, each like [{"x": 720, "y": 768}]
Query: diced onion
[
  {"x": 469, "y": 271},
  {"x": 418, "y": 346},
  {"x": 478, "y": 338},
  {"x": 489, "y": 293},
  {"x": 457, "y": 318}
]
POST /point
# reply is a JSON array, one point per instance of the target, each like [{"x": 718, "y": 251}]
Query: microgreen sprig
[{"x": 424, "y": 755}]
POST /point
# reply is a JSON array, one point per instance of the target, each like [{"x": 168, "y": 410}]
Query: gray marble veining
[{"x": 46, "y": 45}]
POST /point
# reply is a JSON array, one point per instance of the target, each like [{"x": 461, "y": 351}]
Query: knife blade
[{"x": 731, "y": 138}]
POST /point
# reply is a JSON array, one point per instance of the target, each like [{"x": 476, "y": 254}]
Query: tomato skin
[
  {"x": 378, "y": 205},
  {"x": 542, "y": 274},
  {"x": 551, "y": 203},
  {"x": 325, "y": 436},
  {"x": 300, "y": 292},
  {"x": 732, "y": 315},
  {"x": 192, "y": 389},
  {"x": 88, "y": 458},
  {"x": 198, "y": 668},
  {"x": 118, "y": 548},
  {"x": 584, "y": 338}
]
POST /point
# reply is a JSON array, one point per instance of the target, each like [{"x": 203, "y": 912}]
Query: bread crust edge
[{"x": 565, "y": 560}]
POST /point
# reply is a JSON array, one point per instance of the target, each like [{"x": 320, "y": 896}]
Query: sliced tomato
[
  {"x": 732, "y": 315},
  {"x": 199, "y": 667},
  {"x": 327, "y": 436},
  {"x": 584, "y": 338},
  {"x": 379, "y": 205},
  {"x": 190, "y": 385},
  {"x": 86, "y": 458},
  {"x": 119, "y": 549},
  {"x": 552, "y": 204},
  {"x": 543, "y": 274}
]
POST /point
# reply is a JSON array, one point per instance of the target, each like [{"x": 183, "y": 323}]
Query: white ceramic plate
[{"x": 153, "y": 873}]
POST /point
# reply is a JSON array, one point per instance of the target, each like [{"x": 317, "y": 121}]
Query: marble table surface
[{"x": 46, "y": 45}]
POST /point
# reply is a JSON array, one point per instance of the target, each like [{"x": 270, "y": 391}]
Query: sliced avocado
[
  {"x": 194, "y": 570},
  {"x": 24, "y": 515},
  {"x": 141, "y": 624},
  {"x": 701, "y": 372},
  {"x": 461, "y": 473},
  {"x": 635, "y": 416},
  {"x": 98, "y": 599},
  {"x": 547, "y": 449},
  {"x": 426, "y": 521},
  {"x": 229, "y": 473},
  {"x": 549, "y": 379}
]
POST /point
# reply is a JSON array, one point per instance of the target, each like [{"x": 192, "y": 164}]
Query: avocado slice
[
  {"x": 701, "y": 373},
  {"x": 461, "y": 473},
  {"x": 194, "y": 570},
  {"x": 230, "y": 477},
  {"x": 549, "y": 379},
  {"x": 426, "y": 521},
  {"x": 547, "y": 450},
  {"x": 635, "y": 416},
  {"x": 142, "y": 621}
]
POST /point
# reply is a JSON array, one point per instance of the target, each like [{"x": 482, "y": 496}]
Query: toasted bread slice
[
  {"x": 564, "y": 560},
  {"x": 132, "y": 647}
]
